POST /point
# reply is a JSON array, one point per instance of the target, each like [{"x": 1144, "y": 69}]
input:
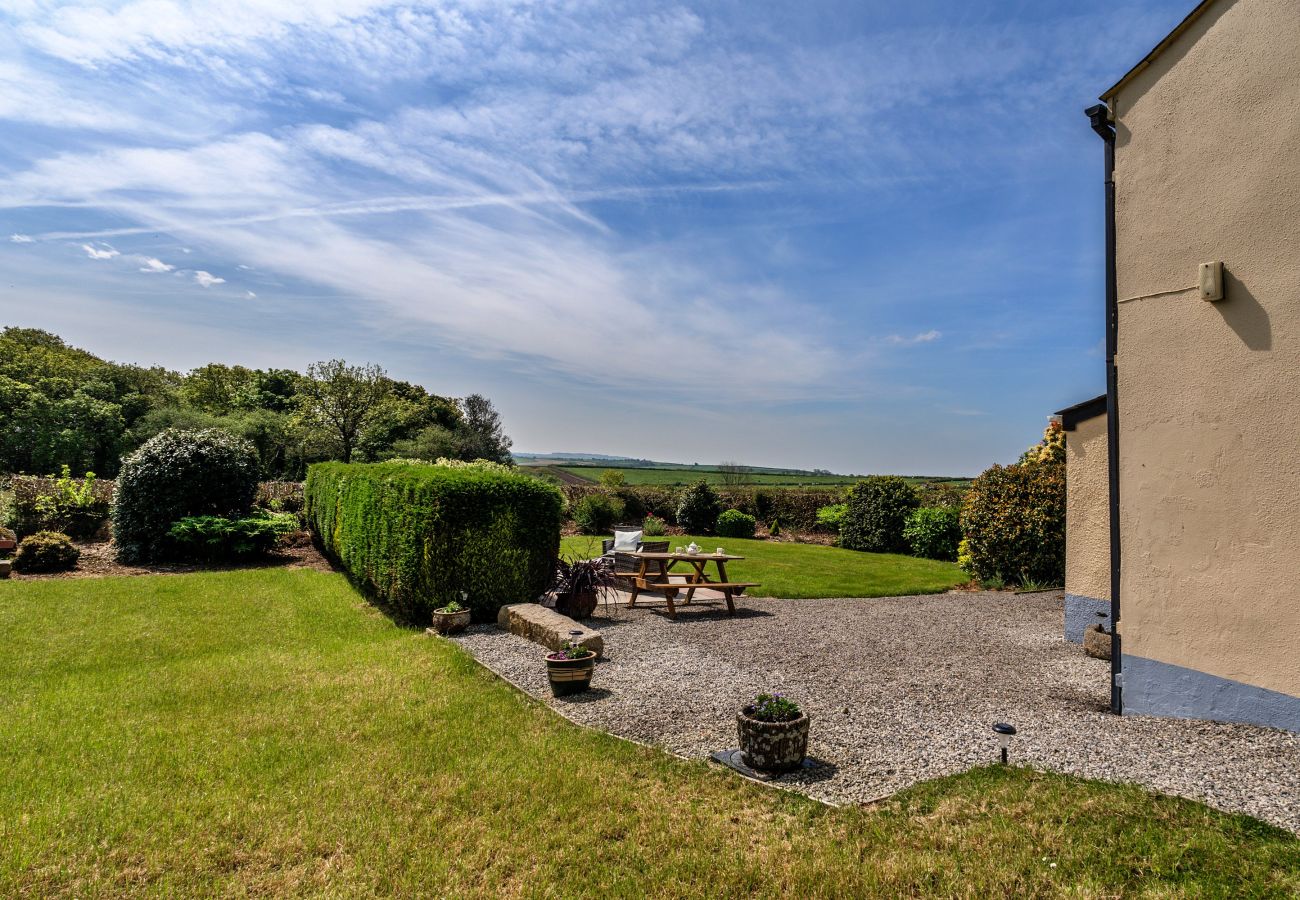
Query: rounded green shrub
[
  {"x": 174, "y": 475},
  {"x": 698, "y": 508},
  {"x": 734, "y": 523},
  {"x": 829, "y": 517},
  {"x": 46, "y": 551},
  {"x": 1013, "y": 521},
  {"x": 597, "y": 513},
  {"x": 934, "y": 532},
  {"x": 653, "y": 526},
  {"x": 878, "y": 507}
]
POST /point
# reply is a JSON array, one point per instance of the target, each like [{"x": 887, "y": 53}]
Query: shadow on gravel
[{"x": 593, "y": 695}]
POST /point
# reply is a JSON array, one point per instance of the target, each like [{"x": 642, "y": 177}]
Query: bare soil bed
[
  {"x": 902, "y": 689},
  {"x": 97, "y": 561}
]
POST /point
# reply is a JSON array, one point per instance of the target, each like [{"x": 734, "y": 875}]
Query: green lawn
[
  {"x": 810, "y": 570},
  {"x": 266, "y": 732}
]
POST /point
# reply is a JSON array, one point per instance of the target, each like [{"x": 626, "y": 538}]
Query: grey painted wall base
[
  {"x": 1080, "y": 612},
  {"x": 1155, "y": 688}
]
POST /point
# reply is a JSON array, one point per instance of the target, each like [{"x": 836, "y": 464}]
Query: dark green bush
[
  {"x": 597, "y": 513},
  {"x": 934, "y": 532},
  {"x": 878, "y": 509},
  {"x": 734, "y": 523},
  {"x": 417, "y": 536},
  {"x": 698, "y": 508},
  {"x": 46, "y": 551},
  {"x": 1013, "y": 521},
  {"x": 215, "y": 538},
  {"x": 176, "y": 474}
]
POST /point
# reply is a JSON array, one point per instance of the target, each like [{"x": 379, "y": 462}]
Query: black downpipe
[{"x": 1099, "y": 116}]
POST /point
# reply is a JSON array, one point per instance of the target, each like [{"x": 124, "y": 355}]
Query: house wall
[
  {"x": 1207, "y": 168},
  {"x": 1087, "y": 528}
]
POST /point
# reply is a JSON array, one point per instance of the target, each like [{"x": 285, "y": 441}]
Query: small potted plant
[
  {"x": 452, "y": 618},
  {"x": 579, "y": 584},
  {"x": 8, "y": 541},
  {"x": 569, "y": 669},
  {"x": 773, "y": 734}
]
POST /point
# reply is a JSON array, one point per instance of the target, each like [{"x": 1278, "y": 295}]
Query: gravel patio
[{"x": 901, "y": 689}]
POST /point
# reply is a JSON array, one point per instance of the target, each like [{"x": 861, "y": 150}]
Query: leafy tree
[
  {"x": 345, "y": 400},
  {"x": 60, "y": 405},
  {"x": 734, "y": 475},
  {"x": 482, "y": 435}
]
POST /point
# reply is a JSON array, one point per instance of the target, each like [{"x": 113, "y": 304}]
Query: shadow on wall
[{"x": 1244, "y": 314}]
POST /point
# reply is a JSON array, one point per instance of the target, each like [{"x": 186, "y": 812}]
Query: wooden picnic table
[{"x": 660, "y": 580}]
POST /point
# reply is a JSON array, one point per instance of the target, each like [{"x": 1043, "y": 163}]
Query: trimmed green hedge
[{"x": 418, "y": 535}]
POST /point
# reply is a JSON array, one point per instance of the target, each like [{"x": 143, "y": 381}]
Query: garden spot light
[{"x": 1005, "y": 733}]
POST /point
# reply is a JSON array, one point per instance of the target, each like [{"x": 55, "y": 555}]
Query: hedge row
[
  {"x": 418, "y": 536},
  {"x": 35, "y": 503},
  {"x": 794, "y": 507}
]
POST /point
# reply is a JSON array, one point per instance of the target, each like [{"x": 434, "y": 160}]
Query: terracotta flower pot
[
  {"x": 451, "y": 622},
  {"x": 570, "y": 676},
  {"x": 577, "y": 605},
  {"x": 773, "y": 746}
]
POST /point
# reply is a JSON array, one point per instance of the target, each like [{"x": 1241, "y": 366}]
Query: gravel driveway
[{"x": 902, "y": 689}]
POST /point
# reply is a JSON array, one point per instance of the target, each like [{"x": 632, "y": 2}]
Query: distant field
[
  {"x": 674, "y": 477},
  {"x": 671, "y": 477}
]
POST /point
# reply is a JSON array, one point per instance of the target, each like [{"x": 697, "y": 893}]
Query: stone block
[{"x": 547, "y": 627}]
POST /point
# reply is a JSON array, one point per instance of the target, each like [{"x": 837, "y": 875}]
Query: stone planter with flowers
[{"x": 773, "y": 734}]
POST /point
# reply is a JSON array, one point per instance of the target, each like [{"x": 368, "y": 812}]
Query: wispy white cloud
[
  {"x": 491, "y": 173},
  {"x": 21, "y": 239},
  {"x": 249, "y": 295},
  {"x": 923, "y": 337},
  {"x": 102, "y": 252},
  {"x": 207, "y": 279}
]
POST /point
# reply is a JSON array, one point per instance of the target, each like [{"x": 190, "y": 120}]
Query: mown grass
[
  {"x": 795, "y": 571},
  {"x": 266, "y": 732}
]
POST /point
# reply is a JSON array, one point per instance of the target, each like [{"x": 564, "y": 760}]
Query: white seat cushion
[{"x": 626, "y": 541}]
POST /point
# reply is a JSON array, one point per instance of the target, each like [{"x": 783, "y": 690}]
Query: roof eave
[
  {"x": 1071, "y": 416},
  {"x": 1174, "y": 35}
]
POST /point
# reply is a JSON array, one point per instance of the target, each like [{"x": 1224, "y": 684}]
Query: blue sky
[{"x": 861, "y": 236}]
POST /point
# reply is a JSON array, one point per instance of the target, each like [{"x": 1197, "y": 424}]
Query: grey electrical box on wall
[{"x": 1212, "y": 281}]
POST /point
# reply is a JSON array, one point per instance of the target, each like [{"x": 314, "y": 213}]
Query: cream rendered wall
[
  {"x": 1208, "y": 168},
  {"x": 1087, "y": 511}
]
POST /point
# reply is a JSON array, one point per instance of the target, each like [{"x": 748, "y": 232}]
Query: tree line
[{"x": 60, "y": 405}]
